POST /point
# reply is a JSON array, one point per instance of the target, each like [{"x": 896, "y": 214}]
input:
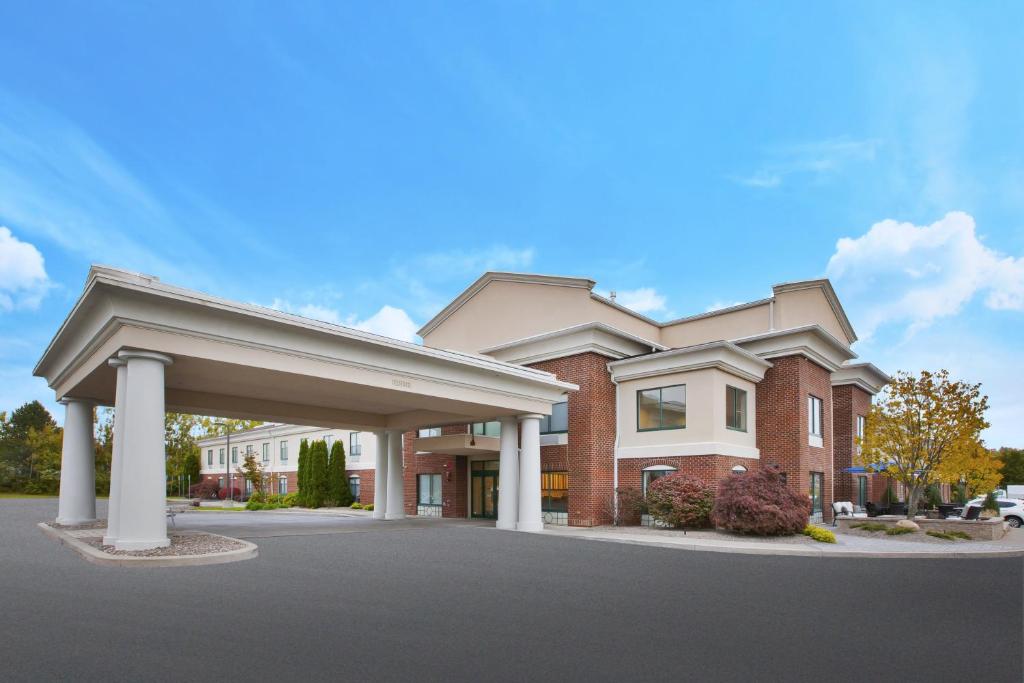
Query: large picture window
[
  {"x": 735, "y": 408},
  {"x": 558, "y": 421},
  {"x": 429, "y": 486},
  {"x": 814, "y": 416},
  {"x": 554, "y": 491},
  {"x": 661, "y": 408}
]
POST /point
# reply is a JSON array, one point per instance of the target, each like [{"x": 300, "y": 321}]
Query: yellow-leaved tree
[
  {"x": 919, "y": 424},
  {"x": 979, "y": 469}
]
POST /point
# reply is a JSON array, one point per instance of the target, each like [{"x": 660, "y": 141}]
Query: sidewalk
[{"x": 1012, "y": 545}]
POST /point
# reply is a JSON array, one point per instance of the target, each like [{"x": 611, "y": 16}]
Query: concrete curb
[
  {"x": 740, "y": 548},
  {"x": 95, "y": 556}
]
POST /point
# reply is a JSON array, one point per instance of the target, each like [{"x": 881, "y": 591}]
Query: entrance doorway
[{"x": 484, "y": 489}]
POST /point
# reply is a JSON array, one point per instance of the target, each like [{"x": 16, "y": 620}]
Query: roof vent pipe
[{"x": 611, "y": 296}]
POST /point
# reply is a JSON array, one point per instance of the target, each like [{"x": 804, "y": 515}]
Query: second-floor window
[
  {"x": 487, "y": 428},
  {"x": 234, "y": 455},
  {"x": 661, "y": 408},
  {"x": 860, "y": 431},
  {"x": 355, "y": 449},
  {"x": 735, "y": 408},
  {"x": 221, "y": 456},
  {"x": 429, "y": 431},
  {"x": 284, "y": 451},
  {"x": 266, "y": 452},
  {"x": 558, "y": 421},
  {"x": 209, "y": 457},
  {"x": 814, "y": 416}
]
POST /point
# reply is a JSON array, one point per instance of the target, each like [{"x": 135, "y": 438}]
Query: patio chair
[
  {"x": 947, "y": 510},
  {"x": 171, "y": 513},
  {"x": 897, "y": 508},
  {"x": 841, "y": 508},
  {"x": 873, "y": 509},
  {"x": 973, "y": 512}
]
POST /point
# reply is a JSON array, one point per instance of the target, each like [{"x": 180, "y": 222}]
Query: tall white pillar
[
  {"x": 117, "y": 457},
  {"x": 143, "y": 500},
  {"x": 530, "y": 517},
  {"x": 508, "y": 474},
  {"x": 77, "y": 503},
  {"x": 380, "y": 476},
  {"x": 396, "y": 483}
]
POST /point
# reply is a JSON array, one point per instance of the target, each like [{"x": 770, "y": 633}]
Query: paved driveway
[{"x": 349, "y": 599}]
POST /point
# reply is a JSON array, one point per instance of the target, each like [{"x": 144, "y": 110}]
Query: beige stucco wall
[
  {"x": 732, "y": 325},
  {"x": 705, "y": 410},
  {"x": 807, "y": 307},
  {"x": 504, "y": 311}
]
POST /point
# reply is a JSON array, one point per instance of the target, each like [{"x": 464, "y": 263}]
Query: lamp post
[{"x": 229, "y": 500}]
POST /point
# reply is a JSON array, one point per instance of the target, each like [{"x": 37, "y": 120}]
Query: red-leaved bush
[
  {"x": 759, "y": 503},
  {"x": 680, "y": 500},
  {"x": 207, "y": 488}
]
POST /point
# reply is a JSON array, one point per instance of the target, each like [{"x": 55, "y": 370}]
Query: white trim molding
[
  {"x": 863, "y": 375},
  {"x": 596, "y": 337},
  {"x": 673, "y": 450},
  {"x": 723, "y": 355},
  {"x": 811, "y": 341}
]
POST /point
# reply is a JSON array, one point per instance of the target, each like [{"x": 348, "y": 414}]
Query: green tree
[
  {"x": 302, "y": 476},
  {"x": 317, "y": 476},
  {"x": 104, "y": 448},
  {"x": 44, "y": 446},
  {"x": 338, "y": 492},
  {"x": 15, "y": 452},
  {"x": 251, "y": 471},
  {"x": 920, "y": 422},
  {"x": 181, "y": 431},
  {"x": 1013, "y": 465}
]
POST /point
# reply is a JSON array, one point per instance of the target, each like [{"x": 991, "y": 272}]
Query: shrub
[
  {"x": 990, "y": 504},
  {"x": 949, "y": 535},
  {"x": 236, "y": 493},
  {"x": 631, "y": 506},
  {"x": 819, "y": 534},
  {"x": 338, "y": 492},
  {"x": 759, "y": 503},
  {"x": 255, "y": 504},
  {"x": 275, "y": 499},
  {"x": 356, "y": 506},
  {"x": 368, "y": 506},
  {"x": 290, "y": 500},
  {"x": 680, "y": 500},
  {"x": 206, "y": 489},
  {"x": 869, "y": 526},
  {"x": 898, "y": 531}
]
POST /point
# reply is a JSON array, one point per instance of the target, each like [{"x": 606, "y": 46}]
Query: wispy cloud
[
  {"x": 641, "y": 300},
  {"x": 813, "y": 160}
]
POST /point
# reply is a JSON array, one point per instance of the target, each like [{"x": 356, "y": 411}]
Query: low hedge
[{"x": 819, "y": 534}]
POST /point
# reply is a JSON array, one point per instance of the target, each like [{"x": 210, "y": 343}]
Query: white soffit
[
  {"x": 594, "y": 337},
  {"x": 811, "y": 341},
  {"x": 722, "y": 355},
  {"x": 864, "y": 375}
]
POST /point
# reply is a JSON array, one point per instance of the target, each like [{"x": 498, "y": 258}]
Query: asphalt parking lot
[{"x": 349, "y": 598}]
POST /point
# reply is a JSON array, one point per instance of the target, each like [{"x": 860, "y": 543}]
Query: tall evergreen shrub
[
  {"x": 303, "y": 474},
  {"x": 317, "y": 475},
  {"x": 338, "y": 492}
]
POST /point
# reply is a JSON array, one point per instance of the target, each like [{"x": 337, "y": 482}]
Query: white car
[{"x": 1011, "y": 508}]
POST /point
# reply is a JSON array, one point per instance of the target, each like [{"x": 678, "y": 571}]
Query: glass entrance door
[
  {"x": 484, "y": 489},
  {"x": 817, "y": 483}
]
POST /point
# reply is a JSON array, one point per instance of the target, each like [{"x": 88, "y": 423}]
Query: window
[
  {"x": 487, "y": 428},
  {"x": 662, "y": 408},
  {"x": 735, "y": 408},
  {"x": 430, "y": 489},
  {"x": 234, "y": 455},
  {"x": 209, "y": 457},
  {"x": 282, "y": 485},
  {"x": 248, "y": 486},
  {"x": 651, "y": 474},
  {"x": 284, "y": 451},
  {"x": 353, "y": 486},
  {"x": 266, "y": 452},
  {"x": 554, "y": 491},
  {"x": 558, "y": 421},
  {"x": 221, "y": 454},
  {"x": 430, "y": 431},
  {"x": 814, "y": 416},
  {"x": 817, "y": 485},
  {"x": 860, "y": 431},
  {"x": 355, "y": 449},
  {"x": 862, "y": 491},
  {"x": 220, "y": 482}
]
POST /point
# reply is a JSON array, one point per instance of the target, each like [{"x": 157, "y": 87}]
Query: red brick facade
[
  {"x": 848, "y": 402},
  {"x": 782, "y": 424}
]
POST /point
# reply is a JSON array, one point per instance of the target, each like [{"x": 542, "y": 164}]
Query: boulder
[{"x": 907, "y": 524}]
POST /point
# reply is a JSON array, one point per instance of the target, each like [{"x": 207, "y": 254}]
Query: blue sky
[{"x": 363, "y": 163}]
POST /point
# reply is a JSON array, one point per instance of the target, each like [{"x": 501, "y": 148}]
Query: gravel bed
[
  {"x": 98, "y": 524},
  {"x": 917, "y": 537},
  {"x": 181, "y": 544},
  {"x": 702, "y": 534}
]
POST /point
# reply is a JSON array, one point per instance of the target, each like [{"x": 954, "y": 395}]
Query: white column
[
  {"x": 77, "y": 503},
  {"x": 396, "y": 483},
  {"x": 380, "y": 476},
  {"x": 143, "y": 501},
  {"x": 508, "y": 474},
  {"x": 117, "y": 457},
  {"x": 530, "y": 518}
]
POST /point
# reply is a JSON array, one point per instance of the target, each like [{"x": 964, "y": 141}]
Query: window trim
[
  {"x": 282, "y": 453},
  {"x": 209, "y": 457},
  {"x": 811, "y": 398},
  {"x": 661, "y": 409},
  {"x": 440, "y": 490},
  {"x": 743, "y": 413},
  {"x": 355, "y": 449}
]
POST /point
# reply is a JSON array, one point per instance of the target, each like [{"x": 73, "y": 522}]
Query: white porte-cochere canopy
[{"x": 146, "y": 347}]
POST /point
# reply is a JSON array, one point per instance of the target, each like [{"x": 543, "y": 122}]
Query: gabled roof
[
  {"x": 830, "y": 296},
  {"x": 494, "y": 276}
]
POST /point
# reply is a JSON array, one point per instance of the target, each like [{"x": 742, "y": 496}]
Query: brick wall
[
  {"x": 367, "y": 480},
  {"x": 589, "y": 456},
  {"x": 848, "y": 401},
  {"x": 711, "y": 469},
  {"x": 782, "y": 420},
  {"x": 454, "y": 471}
]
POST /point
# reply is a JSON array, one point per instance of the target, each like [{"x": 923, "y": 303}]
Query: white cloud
[
  {"x": 641, "y": 300},
  {"x": 389, "y": 322},
  {"x": 815, "y": 160},
  {"x": 916, "y": 274},
  {"x": 23, "y": 279}
]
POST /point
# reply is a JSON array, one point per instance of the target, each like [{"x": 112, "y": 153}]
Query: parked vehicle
[{"x": 1012, "y": 509}]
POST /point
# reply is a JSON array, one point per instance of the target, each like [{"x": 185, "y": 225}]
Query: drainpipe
[{"x": 615, "y": 453}]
